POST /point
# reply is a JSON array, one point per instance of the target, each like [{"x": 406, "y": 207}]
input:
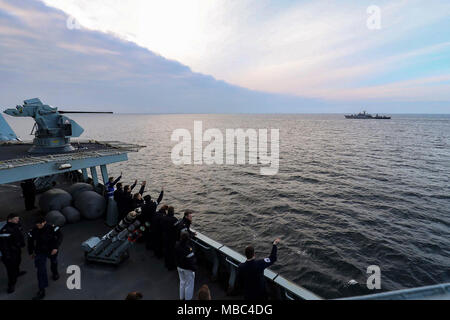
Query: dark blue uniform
[
  {"x": 11, "y": 243},
  {"x": 169, "y": 229},
  {"x": 251, "y": 276},
  {"x": 184, "y": 225},
  {"x": 41, "y": 242}
]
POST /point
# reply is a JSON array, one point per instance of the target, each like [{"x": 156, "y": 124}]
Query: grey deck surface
[
  {"x": 19, "y": 151},
  {"x": 142, "y": 272}
]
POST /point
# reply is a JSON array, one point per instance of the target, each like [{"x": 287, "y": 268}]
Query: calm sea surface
[{"x": 349, "y": 193}]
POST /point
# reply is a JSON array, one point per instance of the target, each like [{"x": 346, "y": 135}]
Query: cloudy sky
[{"x": 227, "y": 55}]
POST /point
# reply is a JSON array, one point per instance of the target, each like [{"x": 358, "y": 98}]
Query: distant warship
[{"x": 365, "y": 115}]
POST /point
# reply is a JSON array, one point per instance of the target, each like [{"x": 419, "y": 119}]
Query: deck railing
[{"x": 225, "y": 260}]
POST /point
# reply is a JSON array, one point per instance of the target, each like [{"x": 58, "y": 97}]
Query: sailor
[
  {"x": 148, "y": 211},
  {"x": 109, "y": 186},
  {"x": 204, "y": 293},
  {"x": 124, "y": 200},
  {"x": 156, "y": 236},
  {"x": 43, "y": 243},
  {"x": 135, "y": 295},
  {"x": 29, "y": 193},
  {"x": 186, "y": 265},
  {"x": 251, "y": 273},
  {"x": 150, "y": 206},
  {"x": 11, "y": 243},
  {"x": 118, "y": 192},
  {"x": 138, "y": 201},
  {"x": 169, "y": 229},
  {"x": 132, "y": 202},
  {"x": 185, "y": 224}
]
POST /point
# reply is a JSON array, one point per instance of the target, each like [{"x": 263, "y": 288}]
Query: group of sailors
[
  {"x": 168, "y": 237},
  {"x": 44, "y": 241}
]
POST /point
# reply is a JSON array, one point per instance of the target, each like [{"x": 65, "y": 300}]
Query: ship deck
[
  {"x": 17, "y": 152},
  {"x": 141, "y": 272},
  {"x": 17, "y": 164}
]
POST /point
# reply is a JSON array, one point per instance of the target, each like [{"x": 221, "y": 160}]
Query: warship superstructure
[{"x": 364, "y": 115}]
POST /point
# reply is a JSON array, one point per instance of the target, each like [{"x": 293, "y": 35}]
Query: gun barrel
[{"x": 109, "y": 112}]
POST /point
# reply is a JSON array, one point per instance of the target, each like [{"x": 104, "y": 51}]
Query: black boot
[
  {"x": 40, "y": 295},
  {"x": 10, "y": 289},
  {"x": 55, "y": 276}
]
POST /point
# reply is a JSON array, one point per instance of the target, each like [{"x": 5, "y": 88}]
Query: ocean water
[{"x": 348, "y": 194}]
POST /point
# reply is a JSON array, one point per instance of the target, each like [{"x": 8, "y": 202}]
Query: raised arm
[
  {"x": 267, "y": 262},
  {"x": 161, "y": 195},
  {"x": 117, "y": 180},
  {"x": 141, "y": 190}
]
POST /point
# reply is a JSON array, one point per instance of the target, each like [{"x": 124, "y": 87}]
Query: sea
[{"x": 348, "y": 193}]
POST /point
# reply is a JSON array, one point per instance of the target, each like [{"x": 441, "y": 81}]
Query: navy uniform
[
  {"x": 184, "y": 225},
  {"x": 11, "y": 243},
  {"x": 41, "y": 242},
  {"x": 156, "y": 233},
  {"x": 29, "y": 193},
  {"x": 169, "y": 228},
  {"x": 251, "y": 276}
]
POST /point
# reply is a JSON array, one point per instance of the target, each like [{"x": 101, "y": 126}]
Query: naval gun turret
[{"x": 52, "y": 129}]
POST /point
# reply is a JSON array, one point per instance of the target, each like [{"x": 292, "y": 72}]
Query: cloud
[
  {"x": 86, "y": 49},
  {"x": 304, "y": 48},
  {"x": 302, "y": 57},
  {"x": 80, "y": 68}
]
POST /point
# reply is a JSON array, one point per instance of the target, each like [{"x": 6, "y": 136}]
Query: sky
[{"x": 197, "y": 56}]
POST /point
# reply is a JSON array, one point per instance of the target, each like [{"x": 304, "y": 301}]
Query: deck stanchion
[
  {"x": 85, "y": 174},
  {"x": 94, "y": 176}
]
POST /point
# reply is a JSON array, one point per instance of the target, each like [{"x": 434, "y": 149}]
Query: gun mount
[{"x": 52, "y": 130}]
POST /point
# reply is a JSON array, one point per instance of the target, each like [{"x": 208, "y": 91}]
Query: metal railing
[
  {"x": 434, "y": 292},
  {"x": 227, "y": 260}
]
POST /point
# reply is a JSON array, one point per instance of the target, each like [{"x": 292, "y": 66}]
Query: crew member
[
  {"x": 148, "y": 211},
  {"x": 125, "y": 199},
  {"x": 43, "y": 243},
  {"x": 11, "y": 243},
  {"x": 184, "y": 225},
  {"x": 138, "y": 201},
  {"x": 251, "y": 273},
  {"x": 204, "y": 293},
  {"x": 130, "y": 200},
  {"x": 118, "y": 195},
  {"x": 151, "y": 205},
  {"x": 156, "y": 231},
  {"x": 169, "y": 230},
  {"x": 109, "y": 186},
  {"x": 29, "y": 193},
  {"x": 187, "y": 265}
]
